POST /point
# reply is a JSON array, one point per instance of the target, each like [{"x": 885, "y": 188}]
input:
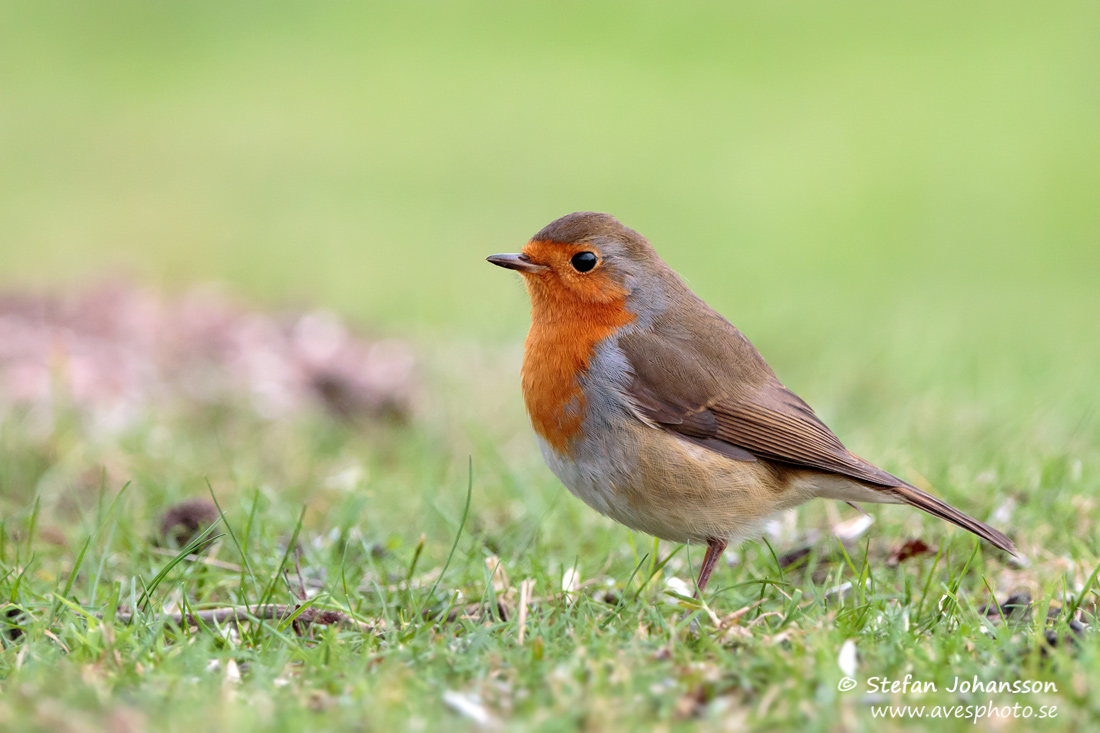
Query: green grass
[
  {"x": 617, "y": 652},
  {"x": 897, "y": 205}
]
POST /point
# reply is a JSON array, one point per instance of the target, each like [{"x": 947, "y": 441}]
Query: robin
[{"x": 658, "y": 413}]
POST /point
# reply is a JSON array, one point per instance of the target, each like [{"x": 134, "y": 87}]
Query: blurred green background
[
  {"x": 924, "y": 175},
  {"x": 898, "y": 203}
]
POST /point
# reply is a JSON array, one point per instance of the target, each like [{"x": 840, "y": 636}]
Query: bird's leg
[{"x": 715, "y": 548}]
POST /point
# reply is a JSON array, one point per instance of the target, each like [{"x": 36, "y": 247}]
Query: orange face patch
[
  {"x": 570, "y": 313},
  {"x": 595, "y": 286}
]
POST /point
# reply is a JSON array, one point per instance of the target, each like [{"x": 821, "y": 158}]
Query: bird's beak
[{"x": 516, "y": 262}]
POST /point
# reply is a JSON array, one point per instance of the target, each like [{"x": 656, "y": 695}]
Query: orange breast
[{"x": 564, "y": 332}]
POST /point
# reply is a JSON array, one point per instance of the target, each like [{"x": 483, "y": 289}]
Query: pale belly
[{"x": 655, "y": 482}]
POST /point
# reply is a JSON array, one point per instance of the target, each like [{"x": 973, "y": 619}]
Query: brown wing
[
  {"x": 773, "y": 423},
  {"x": 712, "y": 387}
]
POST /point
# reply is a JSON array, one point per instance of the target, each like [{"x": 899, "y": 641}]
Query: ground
[{"x": 897, "y": 207}]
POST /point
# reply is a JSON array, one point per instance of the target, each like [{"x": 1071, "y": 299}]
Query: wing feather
[{"x": 712, "y": 387}]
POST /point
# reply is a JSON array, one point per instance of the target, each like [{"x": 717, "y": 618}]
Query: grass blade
[{"x": 458, "y": 534}]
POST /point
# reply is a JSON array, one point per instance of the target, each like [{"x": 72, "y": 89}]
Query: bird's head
[{"x": 586, "y": 259}]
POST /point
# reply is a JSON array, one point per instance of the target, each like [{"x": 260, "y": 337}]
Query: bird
[{"x": 658, "y": 413}]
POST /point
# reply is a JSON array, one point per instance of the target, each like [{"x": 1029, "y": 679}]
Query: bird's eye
[{"x": 584, "y": 261}]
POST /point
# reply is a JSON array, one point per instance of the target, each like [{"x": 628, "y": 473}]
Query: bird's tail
[{"x": 937, "y": 508}]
